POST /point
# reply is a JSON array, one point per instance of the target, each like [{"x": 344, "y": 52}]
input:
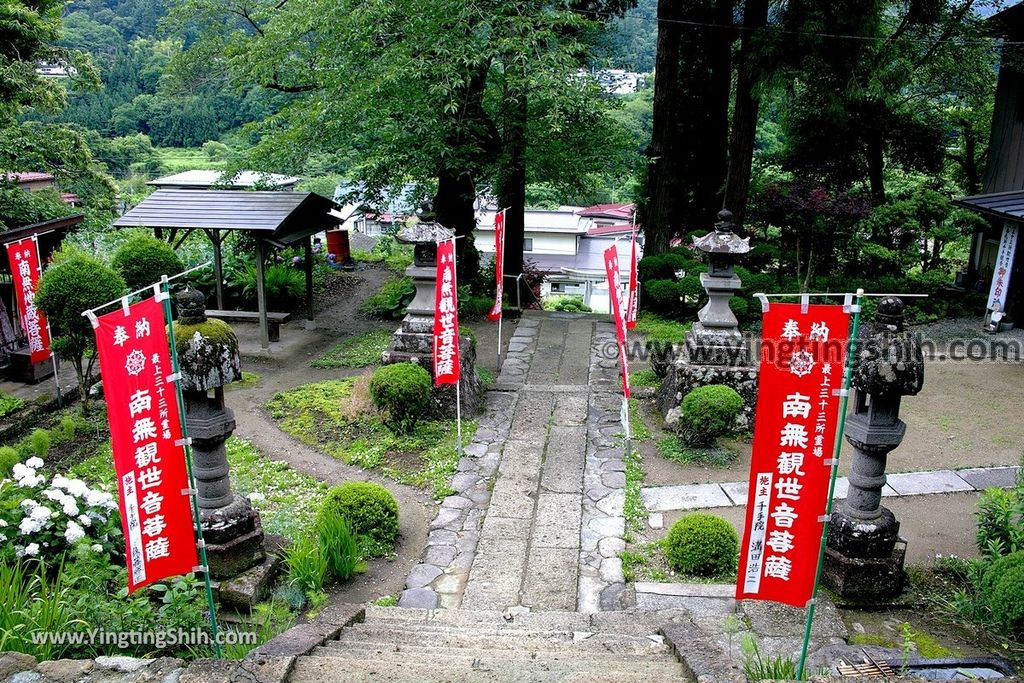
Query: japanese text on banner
[
  {"x": 446, "y": 318},
  {"x": 24, "y": 260},
  {"x": 803, "y": 356},
  {"x": 145, "y": 433}
]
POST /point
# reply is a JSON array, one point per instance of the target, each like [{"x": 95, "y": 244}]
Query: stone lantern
[
  {"x": 715, "y": 338},
  {"x": 414, "y": 340},
  {"x": 864, "y": 556},
  {"x": 208, "y": 359},
  {"x": 716, "y": 352}
]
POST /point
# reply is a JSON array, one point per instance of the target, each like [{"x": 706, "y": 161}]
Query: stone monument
[
  {"x": 716, "y": 352},
  {"x": 414, "y": 340},
  {"x": 864, "y": 556},
  {"x": 208, "y": 359}
]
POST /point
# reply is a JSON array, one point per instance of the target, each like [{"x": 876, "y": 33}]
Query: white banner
[{"x": 1003, "y": 266}]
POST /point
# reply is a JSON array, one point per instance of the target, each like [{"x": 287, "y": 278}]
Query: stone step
[
  {"x": 521, "y": 630},
  {"x": 453, "y": 660},
  {"x": 626, "y": 622},
  {"x": 338, "y": 670},
  {"x": 505, "y": 640},
  {"x": 371, "y": 649}
]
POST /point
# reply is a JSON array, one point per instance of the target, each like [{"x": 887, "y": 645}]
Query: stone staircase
[{"x": 417, "y": 645}]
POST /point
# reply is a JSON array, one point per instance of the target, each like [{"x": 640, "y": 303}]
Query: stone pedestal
[
  {"x": 684, "y": 376},
  {"x": 22, "y": 369},
  {"x": 864, "y": 556},
  {"x": 413, "y": 342}
]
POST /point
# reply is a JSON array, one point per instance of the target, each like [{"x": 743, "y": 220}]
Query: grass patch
[
  {"x": 287, "y": 500},
  {"x": 486, "y": 376},
  {"x": 633, "y": 507},
  {"x": 645, "y": 378},
  {"x": 631, "y": 562},
  {"x": 636, "y": 422},
  {"x": 658, "y": 329},
  {"x": 874, "y": 639},
  {"x": 355, "y": 352},
  {"x": 334, "y": 417},
  {"x": 672, "y": 448},
  {"x": 386, "y": 601},
  {"x": 177, "y": 159},
  {"x": 248, "y": 381}
]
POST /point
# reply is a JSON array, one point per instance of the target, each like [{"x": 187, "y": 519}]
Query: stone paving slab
[
  {"x": 556, "y": 523},
  {"x": 693, "y": 590},
  {"x": 551, "y": 578},
  {"x": 982, "y": 478},
  {"x": 667, "y": 498},
  {"x": 918, "y": 483}
]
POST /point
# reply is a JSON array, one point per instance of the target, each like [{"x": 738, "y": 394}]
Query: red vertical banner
[
  {"x": 446, "y": 317},
  {"x": 631, "y": 293},
  {"x": 499, "y": 264},
  {"x": 803, "y": 357},
  {"x": 145, "y": 432},
  {"x": 25, "y": 270},
  {"x": 611, "y": 267}
]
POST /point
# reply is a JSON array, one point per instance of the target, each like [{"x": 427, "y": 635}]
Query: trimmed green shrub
[
  {"x": 566, "y": 304},
  {"x": 708, "y": 413},
  {"x": 702, "y": 545},
  {"x": 1003, "y": 589},
  {"x": 370, "y": 510},
  {"x": 73, "y": 283},
  {"x": 143, "y": 259},
  {"x": 401, "y": 391},
  {"x": 9, "y": 404},
  {"x": 340, "y": 546},
  {"x": 283, "y": 285}
]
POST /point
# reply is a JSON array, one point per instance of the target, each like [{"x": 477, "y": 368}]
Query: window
[{"x": 528, "y": 244}]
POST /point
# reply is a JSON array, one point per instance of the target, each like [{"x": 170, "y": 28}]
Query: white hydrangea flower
[
  {"x": 256, "y": 497},
  {"x": 59, "y": 482},
  {"x": 29, "y": 504},
  {"x": 96, "y": 548},
  {"x": 77, "y": 487},
  {"x": 73, "y": 533},
  {"x": 34, "y": 462},
  {"x": 41, "y": 513},
  {"x": 21, "y": 470},
  {"x": 2, "y": 538},
  {"x": 29, "y": 526},
  {"x": 3, "y": 523},
  {"x": 32, "y": 549},
  {"x": 54, "y": 495},
  {"x": 84, "y": 520}
]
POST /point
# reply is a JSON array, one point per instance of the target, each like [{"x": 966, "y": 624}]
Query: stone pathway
[
  {"x": 537, "y": 520},
  {"x": 660, "y": 499}
]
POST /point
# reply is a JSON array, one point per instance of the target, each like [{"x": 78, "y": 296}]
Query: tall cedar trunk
[
  {"x": 689, "y": 143},
  {"x": 512, "y": 186},
  {"x": 745, "y": 110},
  {"x": 454, "y": 209},
  {"x": 971, "y": 159}
]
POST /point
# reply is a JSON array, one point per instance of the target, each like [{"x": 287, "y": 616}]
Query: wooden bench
[{"x": 274, "y": 320}]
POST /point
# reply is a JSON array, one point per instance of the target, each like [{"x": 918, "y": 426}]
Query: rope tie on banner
[
  {"x": 93, "y": 320},
  {"x": 125, "y": 306},
  {"x": 764, "y": 301},
  {"x": 805, "y": 303}
]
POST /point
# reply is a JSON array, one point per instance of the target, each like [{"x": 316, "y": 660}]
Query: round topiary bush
[
  {"x": 143, "y": 259},
  {"x": 370, "y": 510},
  {"x": 708, "y": 413},
  {"x": 402, "y": 392},
  {"x": 1003, "y": 590},
  {"x": 702, "y": 545}
]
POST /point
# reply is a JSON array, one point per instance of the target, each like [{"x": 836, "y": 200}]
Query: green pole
[
  {"x": 847, "y": 376},
  {"x": 211, "y": 606}
]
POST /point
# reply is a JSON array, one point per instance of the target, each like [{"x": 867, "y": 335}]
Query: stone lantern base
[
  {"x": 413, "y": 342},
  {"x": 864, "y": 558},
  {"x": 684, "y": 376},
  {"x": 234, "y": 538}
]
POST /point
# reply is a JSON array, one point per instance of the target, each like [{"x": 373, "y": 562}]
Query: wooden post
[
  {"x": 309, "y": 283},
  {"x": 218, "y": 266},
  {"x": 261, "y": 296}
]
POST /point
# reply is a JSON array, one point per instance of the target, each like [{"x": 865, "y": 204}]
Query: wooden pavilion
[{"x": 274, "y": 219}]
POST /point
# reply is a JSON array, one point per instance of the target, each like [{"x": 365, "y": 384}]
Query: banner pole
[
  {"x": 458, "y": 384},
  {"x": 844, "y": 399},
  {"x": 164, "y": 287},
  {"x": 49, "y": 330}
]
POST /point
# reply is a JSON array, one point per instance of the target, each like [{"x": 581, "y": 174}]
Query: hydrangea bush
[{"x": 44, "y": 518}]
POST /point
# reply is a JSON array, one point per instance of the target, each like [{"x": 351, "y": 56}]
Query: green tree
[{"x": 74, "y": 283}]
